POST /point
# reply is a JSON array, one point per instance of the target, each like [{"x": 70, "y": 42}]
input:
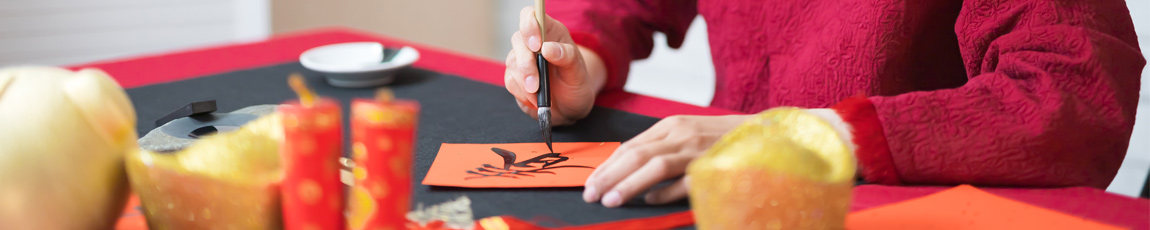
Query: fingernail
[
  {"x": 533, "y": 43},
  {"x": 590, "y": 195},
  {"x": 531, "y": 83},
  {"x": 612, "y": 199},
  {"x": 552, "y": 49}
]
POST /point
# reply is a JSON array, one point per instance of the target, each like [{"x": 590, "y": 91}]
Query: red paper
[
  {"x": 485, "y": 165},
  {"x": 132, "y": 219},
  {"x": 965, "y": 207}
]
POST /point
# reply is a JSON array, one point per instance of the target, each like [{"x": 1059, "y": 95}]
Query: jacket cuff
[
  {"x": 873, "y": 153},
  {"x": 616, "y": 71}
]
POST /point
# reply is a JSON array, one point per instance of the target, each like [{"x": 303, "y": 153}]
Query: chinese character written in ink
[{"x": 512, "y": 169}]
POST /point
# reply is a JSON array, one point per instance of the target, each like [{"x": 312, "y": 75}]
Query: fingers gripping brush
[{"x": 544, "y": 94}]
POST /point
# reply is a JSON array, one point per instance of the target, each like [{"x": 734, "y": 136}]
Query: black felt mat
[{"x": 455, "y": 110}]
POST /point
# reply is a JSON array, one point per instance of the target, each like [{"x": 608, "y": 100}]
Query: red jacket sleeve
[
  {"x": 620, "y": 31},
  {"x": 1050, "y": 101}
]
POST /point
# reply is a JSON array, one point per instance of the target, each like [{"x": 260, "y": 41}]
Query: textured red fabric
[
  {"x": 985, "y": 92},
  {"x": 866, "y": 132},
  {"x": 620, "y": 31}
]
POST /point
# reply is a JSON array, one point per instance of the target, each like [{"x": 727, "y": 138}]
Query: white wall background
[{"x": 59, "y": 32}]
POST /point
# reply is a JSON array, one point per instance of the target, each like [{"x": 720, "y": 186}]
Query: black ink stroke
[{"x": 530, "y": 165}]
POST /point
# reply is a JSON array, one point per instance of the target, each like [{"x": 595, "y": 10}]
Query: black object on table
[
  {"x": 454, "y": 110},
  {"x": 190, "y": 110}
]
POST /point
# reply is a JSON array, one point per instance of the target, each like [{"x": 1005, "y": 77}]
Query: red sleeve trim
[
  {"x": 616, "y": 71},
  {"x": 873, "y": 152}
]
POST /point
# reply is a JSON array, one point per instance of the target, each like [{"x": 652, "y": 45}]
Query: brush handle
[
  {"x": 540, "y": 14},
  {"x": 544, "y": 94}
]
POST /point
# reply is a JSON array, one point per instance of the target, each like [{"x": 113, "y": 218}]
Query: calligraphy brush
[{"x": 544, "y": 94}]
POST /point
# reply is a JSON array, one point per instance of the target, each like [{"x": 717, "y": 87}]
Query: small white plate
[{"x": 357, "y": 64}]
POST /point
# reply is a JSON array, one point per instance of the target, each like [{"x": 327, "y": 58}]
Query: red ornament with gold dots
[
  {"x": 383, "y": 136},
  {"x": 312, "y": 193}
]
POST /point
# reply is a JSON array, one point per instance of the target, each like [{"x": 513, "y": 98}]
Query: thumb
[
  {"x": 571, "y": 95},
  {"x": 561, "y": 55},
  {"x": 566, "y": 59}
]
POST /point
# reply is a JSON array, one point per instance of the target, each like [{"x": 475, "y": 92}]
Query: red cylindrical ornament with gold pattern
[
  {"x": 383, "y": 136},
  {"x": 312, "y": 193}
]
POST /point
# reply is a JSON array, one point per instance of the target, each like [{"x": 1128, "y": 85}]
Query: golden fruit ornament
[
  {"x": 63, "y": 136},
  {"x": 783, "y": 169},
  {"x": 222, "y": 181}
]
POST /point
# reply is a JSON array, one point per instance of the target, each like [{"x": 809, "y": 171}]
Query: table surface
[
  {"x": 1090, "y": 203},
  {"x": 452, "y": 110}
]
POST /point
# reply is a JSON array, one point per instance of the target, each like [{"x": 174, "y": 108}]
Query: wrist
[{"x": 596, "y": 69}]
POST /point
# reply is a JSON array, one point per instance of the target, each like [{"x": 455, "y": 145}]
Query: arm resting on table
[{"x": 1050, "y": 101}]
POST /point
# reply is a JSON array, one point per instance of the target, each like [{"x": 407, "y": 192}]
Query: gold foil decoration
[
  {"x": 63, "y": 136},
  {"x": 782, "y": 169},
  {"x": 493, "y": 223},
  {"x": 456, "y": 214},
  {"x": 223, "y": 181}
]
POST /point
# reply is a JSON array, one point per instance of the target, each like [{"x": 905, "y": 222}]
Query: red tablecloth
[{"x": 1084, "y": 202}]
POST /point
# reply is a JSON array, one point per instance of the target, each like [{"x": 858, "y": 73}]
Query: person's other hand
[
  {"x": 573, "y": 84},
  {"x": 660, "y": 153}
]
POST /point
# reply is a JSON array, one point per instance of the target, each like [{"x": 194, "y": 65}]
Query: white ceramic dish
[{"x": 357, "y": 64}]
